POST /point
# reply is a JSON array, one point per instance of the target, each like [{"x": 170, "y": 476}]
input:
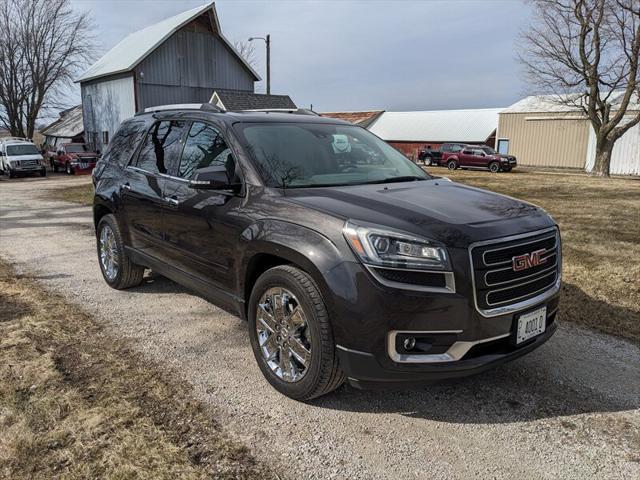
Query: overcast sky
[{"x": 351, "y": 55}]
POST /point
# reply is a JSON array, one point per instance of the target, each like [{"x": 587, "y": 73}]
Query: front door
[
  {"x": 202, "y": 227},
  {"x": 143, "y": 189}
]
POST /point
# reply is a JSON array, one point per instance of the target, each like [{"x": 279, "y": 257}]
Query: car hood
[
  {"x": 87, "y": 155},
  {"x": 443, "y": 210},
  {"x": 35, "y": 156}
]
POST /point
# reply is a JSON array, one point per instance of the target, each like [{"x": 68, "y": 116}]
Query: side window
[
  {"x": 205, "y": 147},
  {"x": 160, "y": 146},
  {"x": 456, "y": 148},
  {"x": 124, "y": 143}
]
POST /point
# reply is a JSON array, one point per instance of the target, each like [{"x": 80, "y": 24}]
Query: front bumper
[
  {"x": 366, "y": 315},
  {"x": 363, "y": 370}
]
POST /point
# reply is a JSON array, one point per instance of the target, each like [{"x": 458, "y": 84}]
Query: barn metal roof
[
  {"x": 437, "y": 125},
  {"x": 553, "y": 103},
  {"x": 138, "y": 45},
  {"x": 68, "y": 125}
]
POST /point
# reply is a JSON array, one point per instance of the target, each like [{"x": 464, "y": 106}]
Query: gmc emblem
[{"x": 528, "y": 260}]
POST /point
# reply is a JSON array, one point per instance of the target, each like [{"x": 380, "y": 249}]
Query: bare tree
[
  {"x": 247, "y": 50},
  {"x": 585, "y": 53},
  {"x": 43, "y": 45}
]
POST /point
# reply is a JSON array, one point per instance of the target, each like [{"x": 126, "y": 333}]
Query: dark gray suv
[{"x": 347, "y": 260}]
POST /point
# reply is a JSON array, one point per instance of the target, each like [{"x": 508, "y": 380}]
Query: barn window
[{"x": 105, "y": 138}]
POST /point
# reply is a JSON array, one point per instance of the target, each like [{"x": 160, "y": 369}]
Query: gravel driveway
[{"x": 569, "y": 410}]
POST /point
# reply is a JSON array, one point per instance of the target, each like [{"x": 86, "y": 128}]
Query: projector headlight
[{"x": 384, "y": 247}]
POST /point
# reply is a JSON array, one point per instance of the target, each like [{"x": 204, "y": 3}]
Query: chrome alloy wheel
[
  {"x": 108, "y": 252},
  {"x": 283, "y": 334}
]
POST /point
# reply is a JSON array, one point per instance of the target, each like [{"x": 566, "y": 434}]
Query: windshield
[
  {"x": 25, "y": 149},
  {"x": 76, "y": 148},
  {"x": 489, "y": 150},
  {"x": 295, "y": 155}
]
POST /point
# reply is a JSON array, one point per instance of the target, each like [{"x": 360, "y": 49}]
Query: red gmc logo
[{"x": 528, "y": 260}]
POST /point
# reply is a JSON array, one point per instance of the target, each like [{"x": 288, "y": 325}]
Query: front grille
[
  {"x": 497, "y": 284},
  {"x": 27, "y": 163}
]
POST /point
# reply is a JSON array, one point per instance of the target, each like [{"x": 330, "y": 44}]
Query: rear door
[
  {"x": 143, "y": 189},
  {"x": 466, "y": 157},
  {"x": 202, "y": 227}
]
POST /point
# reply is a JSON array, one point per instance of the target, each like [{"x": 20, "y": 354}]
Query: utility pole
[
  {"x": 267, "y": 40},
  {"x": 268, "y": 64}
]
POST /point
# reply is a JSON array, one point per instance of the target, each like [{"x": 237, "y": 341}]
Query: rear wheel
[
  {"x": 494, "y": 167},
  {"x": 452, "y": 165},
  {"x": 428, "y": 162},
  {"x": 117, "y": 269},
  {"x": 291, "y": 334}
]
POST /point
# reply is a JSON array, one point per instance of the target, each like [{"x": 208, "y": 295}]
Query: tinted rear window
[{"x": 125, "y": 142}]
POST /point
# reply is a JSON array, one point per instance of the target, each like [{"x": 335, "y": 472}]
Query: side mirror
[{"x": 213, "y": 178}]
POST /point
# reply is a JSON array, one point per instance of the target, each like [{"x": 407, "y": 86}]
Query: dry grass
[
  {"x": 600, "y": 224},
  {"x": 76, "y": 403},
  {"x": 82, "y": 194}
]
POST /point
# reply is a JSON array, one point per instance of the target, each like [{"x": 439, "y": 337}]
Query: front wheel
[
  {"x": 68, "y": 169},
  {"x": 494, "y": 167},
  {"x": 43, "y": 172},
  {"x": 291, "y": 334},
  {"x": 117, "y": 269}
]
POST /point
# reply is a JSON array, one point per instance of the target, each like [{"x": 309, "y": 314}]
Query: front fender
[{"x": 309, "y": 249}]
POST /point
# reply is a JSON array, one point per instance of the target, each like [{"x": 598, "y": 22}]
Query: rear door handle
[{"x": 173, "y": 201}]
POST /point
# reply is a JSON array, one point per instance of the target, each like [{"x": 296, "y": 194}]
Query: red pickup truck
[
  {"x": 72, "y": 158},
  {"x": 473, "y": 156}
]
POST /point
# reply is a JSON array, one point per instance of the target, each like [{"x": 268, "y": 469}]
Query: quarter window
[
  {"x": 160, "y": 147},
  {"x": 204, "y": 147}
]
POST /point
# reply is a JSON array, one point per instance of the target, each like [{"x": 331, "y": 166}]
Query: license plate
[{"x": 531, "y": 324}]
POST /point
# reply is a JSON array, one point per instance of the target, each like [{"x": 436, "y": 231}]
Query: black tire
[
  {"x": 494, "y": 167},
  {"x": 43, "y": 172},
  {"x": 428, "y": 162},
  {"x": 506, "y": 169},
  {"x": 324, "y": 374},
  {"x": 452, "y": 164},
  {"x": 54, "y": 166},
  {"x": 11, "y": 173},
  {"x": 128, "y": 274},
  {"x": 68, "y": 169}
]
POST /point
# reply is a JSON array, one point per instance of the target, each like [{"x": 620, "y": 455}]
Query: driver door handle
[{"x": 126, "y": 186}]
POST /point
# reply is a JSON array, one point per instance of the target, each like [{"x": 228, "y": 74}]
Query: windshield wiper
[{"x": 406, "y": 178}]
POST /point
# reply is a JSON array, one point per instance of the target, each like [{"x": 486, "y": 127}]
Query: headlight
[{"x": 385, "y": 247}]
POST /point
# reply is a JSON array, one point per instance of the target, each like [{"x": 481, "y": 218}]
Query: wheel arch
[{"x": 272, "y": 243}]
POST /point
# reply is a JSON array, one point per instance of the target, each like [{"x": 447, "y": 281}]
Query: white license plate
[{"x": 531, "y": 324}]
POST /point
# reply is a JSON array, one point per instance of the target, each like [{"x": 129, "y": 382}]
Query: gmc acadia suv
[{"x": 347, "y": 260}]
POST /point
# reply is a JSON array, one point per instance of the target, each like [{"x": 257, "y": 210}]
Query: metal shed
[
  {"x": 411, "y": 131},
  {"x": 182, "y": 59},
  {"x": 540, "y": 131}
]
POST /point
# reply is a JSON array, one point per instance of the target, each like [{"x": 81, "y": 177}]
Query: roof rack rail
[
  {"x": 209, "y": 107},
  {"x": 296, "y": 111}
]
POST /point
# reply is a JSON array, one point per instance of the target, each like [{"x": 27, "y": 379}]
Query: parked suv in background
[
  {"x": 73, "y": 158},
  {"x": 19, "y": 156},
  {"x": 473, "y": 156},
  {"x": 346, "y": 266}
]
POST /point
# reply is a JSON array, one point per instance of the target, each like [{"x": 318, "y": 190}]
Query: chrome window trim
[
  {"x": 455, "y": 352},
  {"x": 449, "y": 279},
  {"x": 516, "y": 307}
]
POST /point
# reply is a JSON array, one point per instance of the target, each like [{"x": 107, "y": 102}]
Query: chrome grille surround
[{"x": 554, "y": 273}]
